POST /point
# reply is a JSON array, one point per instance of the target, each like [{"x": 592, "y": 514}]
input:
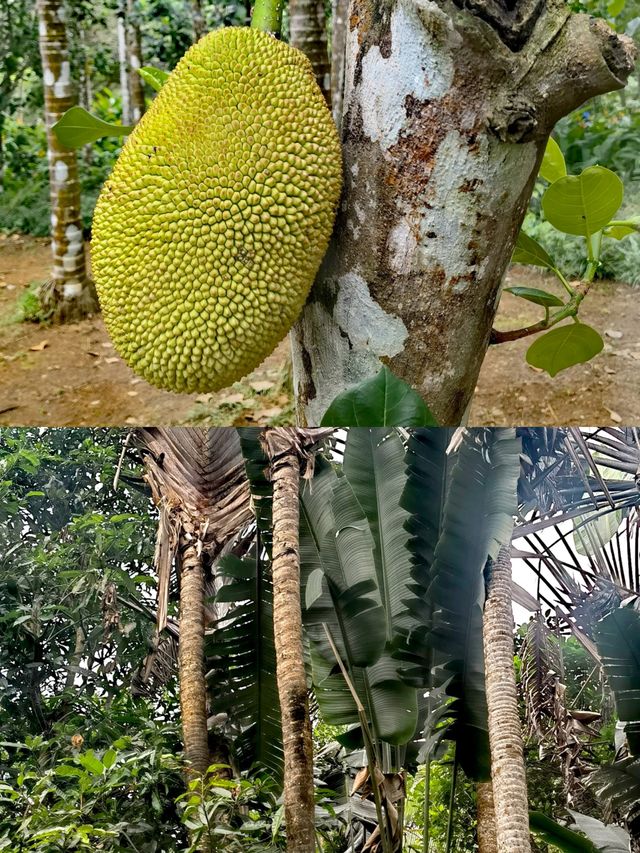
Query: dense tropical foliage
[{"x": 397, "y": 532}]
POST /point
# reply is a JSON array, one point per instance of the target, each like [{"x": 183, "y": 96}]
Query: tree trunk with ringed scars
[
  {"x": 69, "y": 295},
  {"x": 285, "y": 452},
  {"x": 487, "y": 841},
  {"x": 308, "y": 32},
  {"x": 446, "y": 110},
  {"x": 505, "y": 733}
]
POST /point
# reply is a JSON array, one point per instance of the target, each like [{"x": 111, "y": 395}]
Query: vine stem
[{"x": 267, "y": 16}]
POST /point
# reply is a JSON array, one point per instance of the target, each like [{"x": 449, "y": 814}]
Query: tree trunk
[
  {"x": 447, "y": 110},
  {"x": 284, "y": 462},
  {"x": 308, "y": 32},
  {"x": 197, "y": 19},
  {"x": 505, "y": 735},
  {"x": 121, "y": 28},
  {"x": 70, "y": 294},
  {"x": 193, "y": 701},
  {"x": 487, "y": 841},
  {"x": 136, "y": 87}
]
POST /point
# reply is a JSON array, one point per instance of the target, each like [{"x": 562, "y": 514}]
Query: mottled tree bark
[
  {"x": 134, "y": 62},
  {"x": 284, "y": 460},
  {"x": 193, "y": 694},
  {"x": 487, "y": 840},
  {"x": 447, "y": 109},
  {"x": 505, "y": 735},
  {"x": 69, "y": 295},
  {"x": 308, "y": 32}
]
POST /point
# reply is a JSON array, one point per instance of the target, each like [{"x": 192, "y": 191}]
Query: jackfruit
[{"x": 209, "y": 232}]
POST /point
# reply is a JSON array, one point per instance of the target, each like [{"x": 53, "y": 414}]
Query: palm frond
[
  {"x": 477, "y": 518},
  {"x": 618, "y": 640}
]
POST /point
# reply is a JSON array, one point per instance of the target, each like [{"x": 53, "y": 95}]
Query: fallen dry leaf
[
  {"x": 614, "y": 415},
  {"x": 39, "y": 347},
  {"x": 111, "y": 360}
]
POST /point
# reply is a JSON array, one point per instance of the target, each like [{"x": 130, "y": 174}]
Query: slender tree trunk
[
  {"x": 308, "y": 32},
  {"x": 197, "y": 19},
  {"x": 505, "y": 734},
  {"x": 125, "y": 95},
  {"x": 284, "y": 462},
  {"x": 447, "y": 110},
  {"x": 136, "y": 87},
  {"x": 193, "y": 701},
  {"x": 70, "y": 294},
  {"x": 487, "y": 840},
  {"x": 339, "y": 13}
]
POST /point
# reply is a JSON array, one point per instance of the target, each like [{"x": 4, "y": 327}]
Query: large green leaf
[
  {"x": 384, "y": 400},
  {"x": 618, "y": 784},
  {"x": 529, "y": 251},
  {"x": 563, "y": 347},
  {"x": 338, "y": 570},
  {"x": 155, "y": 77},
  {"x": 618, "y": 639},
  {"x": 241, "y": 663},
  {"x": 77, "y": 127},
  {"x": 374, "y": 466},
  {"x": 606, "y": 838},
  {"x": 559, "y": 836},
  {"x": 583, "y": 204},
  {"x": 535, "y": 295},
  {"x": 593, "y": 530},
  {"x": 449, "y": 593},
  {"x": 553, "y": 166},
  {"x": 343, "y": 578}
]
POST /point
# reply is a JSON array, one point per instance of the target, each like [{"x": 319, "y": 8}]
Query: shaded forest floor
[{"x": 70, "y": 375}]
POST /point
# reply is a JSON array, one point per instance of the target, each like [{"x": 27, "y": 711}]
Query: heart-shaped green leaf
[
  {"x": 384, "y": 400},
  {"x": 563, "y": 347},
  {"x": 155, "y": 77},
  {"x": 529, "y": 251},
  {"x": 553, "y": 166},
  {"x": 77, "y": 127},
  {"x": 532, "y": 294},
  {"x": 583, "y": 204}
]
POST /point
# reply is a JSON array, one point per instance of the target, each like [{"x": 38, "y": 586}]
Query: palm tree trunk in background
[
  {"x": 69, "y": 295},
  {"x": 134, "y": 44},
  {"x": 193, "y": 694},
  {"x": 284, "y": 460},
  {"x": 308, "y": 32},
  {"x": 121, "y": 25},
  {"x": 487, "y": 841},
  {"x": 505, "y": 734}
]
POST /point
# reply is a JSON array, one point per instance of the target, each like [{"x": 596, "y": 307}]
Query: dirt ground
[{"x": 70, "y": 375}]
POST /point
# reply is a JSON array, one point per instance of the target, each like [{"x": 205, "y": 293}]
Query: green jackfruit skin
[{"x": 209, "y": 232}]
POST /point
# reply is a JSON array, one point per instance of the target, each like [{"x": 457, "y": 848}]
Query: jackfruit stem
[{"x": 267, "y": 16}]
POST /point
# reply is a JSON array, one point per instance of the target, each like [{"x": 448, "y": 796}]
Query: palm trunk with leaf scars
[
  {"x": 287, "y": 449},
  {"x": 197, "y": 479},
  {"x": 487, "y": 840},
  {"x": 505, "y": 735}
]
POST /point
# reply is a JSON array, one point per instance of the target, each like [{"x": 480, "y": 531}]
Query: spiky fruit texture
[{"x": 209, "y": 232}]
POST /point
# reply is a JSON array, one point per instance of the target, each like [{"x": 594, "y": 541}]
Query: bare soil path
[{"x": 70, "y": 375}]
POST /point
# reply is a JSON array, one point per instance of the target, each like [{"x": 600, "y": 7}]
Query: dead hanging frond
[
  {"x": 281, "y": 442},
  {"x": 198, "y": 481},
  {"x": 541, "y": 670},
  {"x": 563, "y": 733}
]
